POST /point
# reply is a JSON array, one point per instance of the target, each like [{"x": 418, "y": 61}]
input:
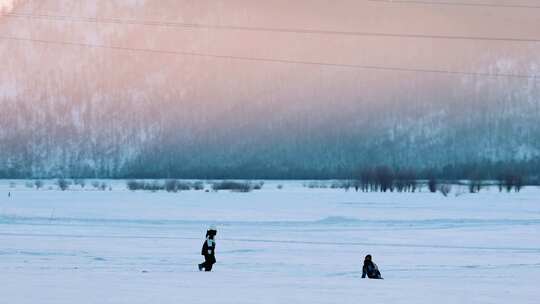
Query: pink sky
[
  {"x": 6, "y": 5},
  {"x": 212, "y": 79}
]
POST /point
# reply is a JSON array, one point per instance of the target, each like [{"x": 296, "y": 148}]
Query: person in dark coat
[
  {"x": 209, "y": 250},
  {"x": 370, "y": 269}
]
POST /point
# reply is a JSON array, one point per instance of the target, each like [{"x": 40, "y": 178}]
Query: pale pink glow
[{"x": 6, "y": 5}]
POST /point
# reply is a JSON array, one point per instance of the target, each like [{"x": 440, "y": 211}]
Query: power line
[
  {"x": 273, "y": 60},
  {"x": 64, "y": 18},
  {"x": 448, "y": 3}
]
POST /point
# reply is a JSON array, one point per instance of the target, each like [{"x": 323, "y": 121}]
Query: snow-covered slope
[{"x": 295, "y": 245}]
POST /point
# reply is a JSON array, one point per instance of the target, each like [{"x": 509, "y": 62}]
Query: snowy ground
[{"x": 294, "y": 245}]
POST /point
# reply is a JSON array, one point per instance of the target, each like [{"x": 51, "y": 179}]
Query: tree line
[{"x": 387, "y": 179}]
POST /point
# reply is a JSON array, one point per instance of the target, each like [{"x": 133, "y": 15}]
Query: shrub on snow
[{"x": 236, "y": 186}]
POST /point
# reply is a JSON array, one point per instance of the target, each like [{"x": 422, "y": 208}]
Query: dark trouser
[
  {"x": 209, "y": 261},
  {"x": 372, "y": 275},
  {"x": 376, "y": 275}
]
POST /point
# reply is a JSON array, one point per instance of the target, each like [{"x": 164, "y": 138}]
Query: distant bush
[
  {"x": 63, "y": 184},
  {"x": 173, "y": 185},
  {"x": 184, "y": 186},
  {"x": 475, "y": 185},
  {"x": 445, "y": 189},
  {"x": 80, "y": 182},
  {"x": 236, "y": 186},
  {"x": 103, "y": 186},
  {"x": 342, "y": 184},
  {"x": 406, "y": 180},
  {"x": 280, "y": 186},
  {"x": 337, "y": 184},
  {"x": 258, "y": 186},
  {"x": 384, "y": 178},
  {"x": 170, "y": 185},
  {"x": 38, "y": 184},
  {"x": 317, "y": 185},
  {"x": 432, "y": 184},
  {"x": 132, "y": 185},
  {"x": 511, "y": 180},
  {"x": 154, "y": 186},
  {"x": 197, "y": 186}
]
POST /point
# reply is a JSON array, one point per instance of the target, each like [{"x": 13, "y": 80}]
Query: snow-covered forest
[{"x": 76, "y": 111}]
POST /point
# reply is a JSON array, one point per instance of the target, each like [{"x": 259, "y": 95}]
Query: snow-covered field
[{"x": 294, "y": 245}]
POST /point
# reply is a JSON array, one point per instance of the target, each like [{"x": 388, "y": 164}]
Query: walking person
[
  {"x": 209, "y": 250},
  {"x": 370, "y": 269}
]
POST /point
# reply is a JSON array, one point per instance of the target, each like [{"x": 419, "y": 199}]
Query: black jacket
[
  {"x": 209, "y": 250},
  {"x": 371, "y": 270}
]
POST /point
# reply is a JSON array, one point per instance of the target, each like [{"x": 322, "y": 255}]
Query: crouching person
[
  {"x": 209, "y": 250},
  {"x": 370, "y": 269}
]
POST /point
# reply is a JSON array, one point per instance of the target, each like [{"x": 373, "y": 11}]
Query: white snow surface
[{"x": 294, "y": 245}]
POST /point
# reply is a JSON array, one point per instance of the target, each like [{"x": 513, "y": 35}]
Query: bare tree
[
  {"x": 445, "y": 189},
  {"x": 432, "y": 184},
  {"x": 38, "y": 183},
  {"x": 385, "y": 178},
  {"x": 63, "y": 184}
]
